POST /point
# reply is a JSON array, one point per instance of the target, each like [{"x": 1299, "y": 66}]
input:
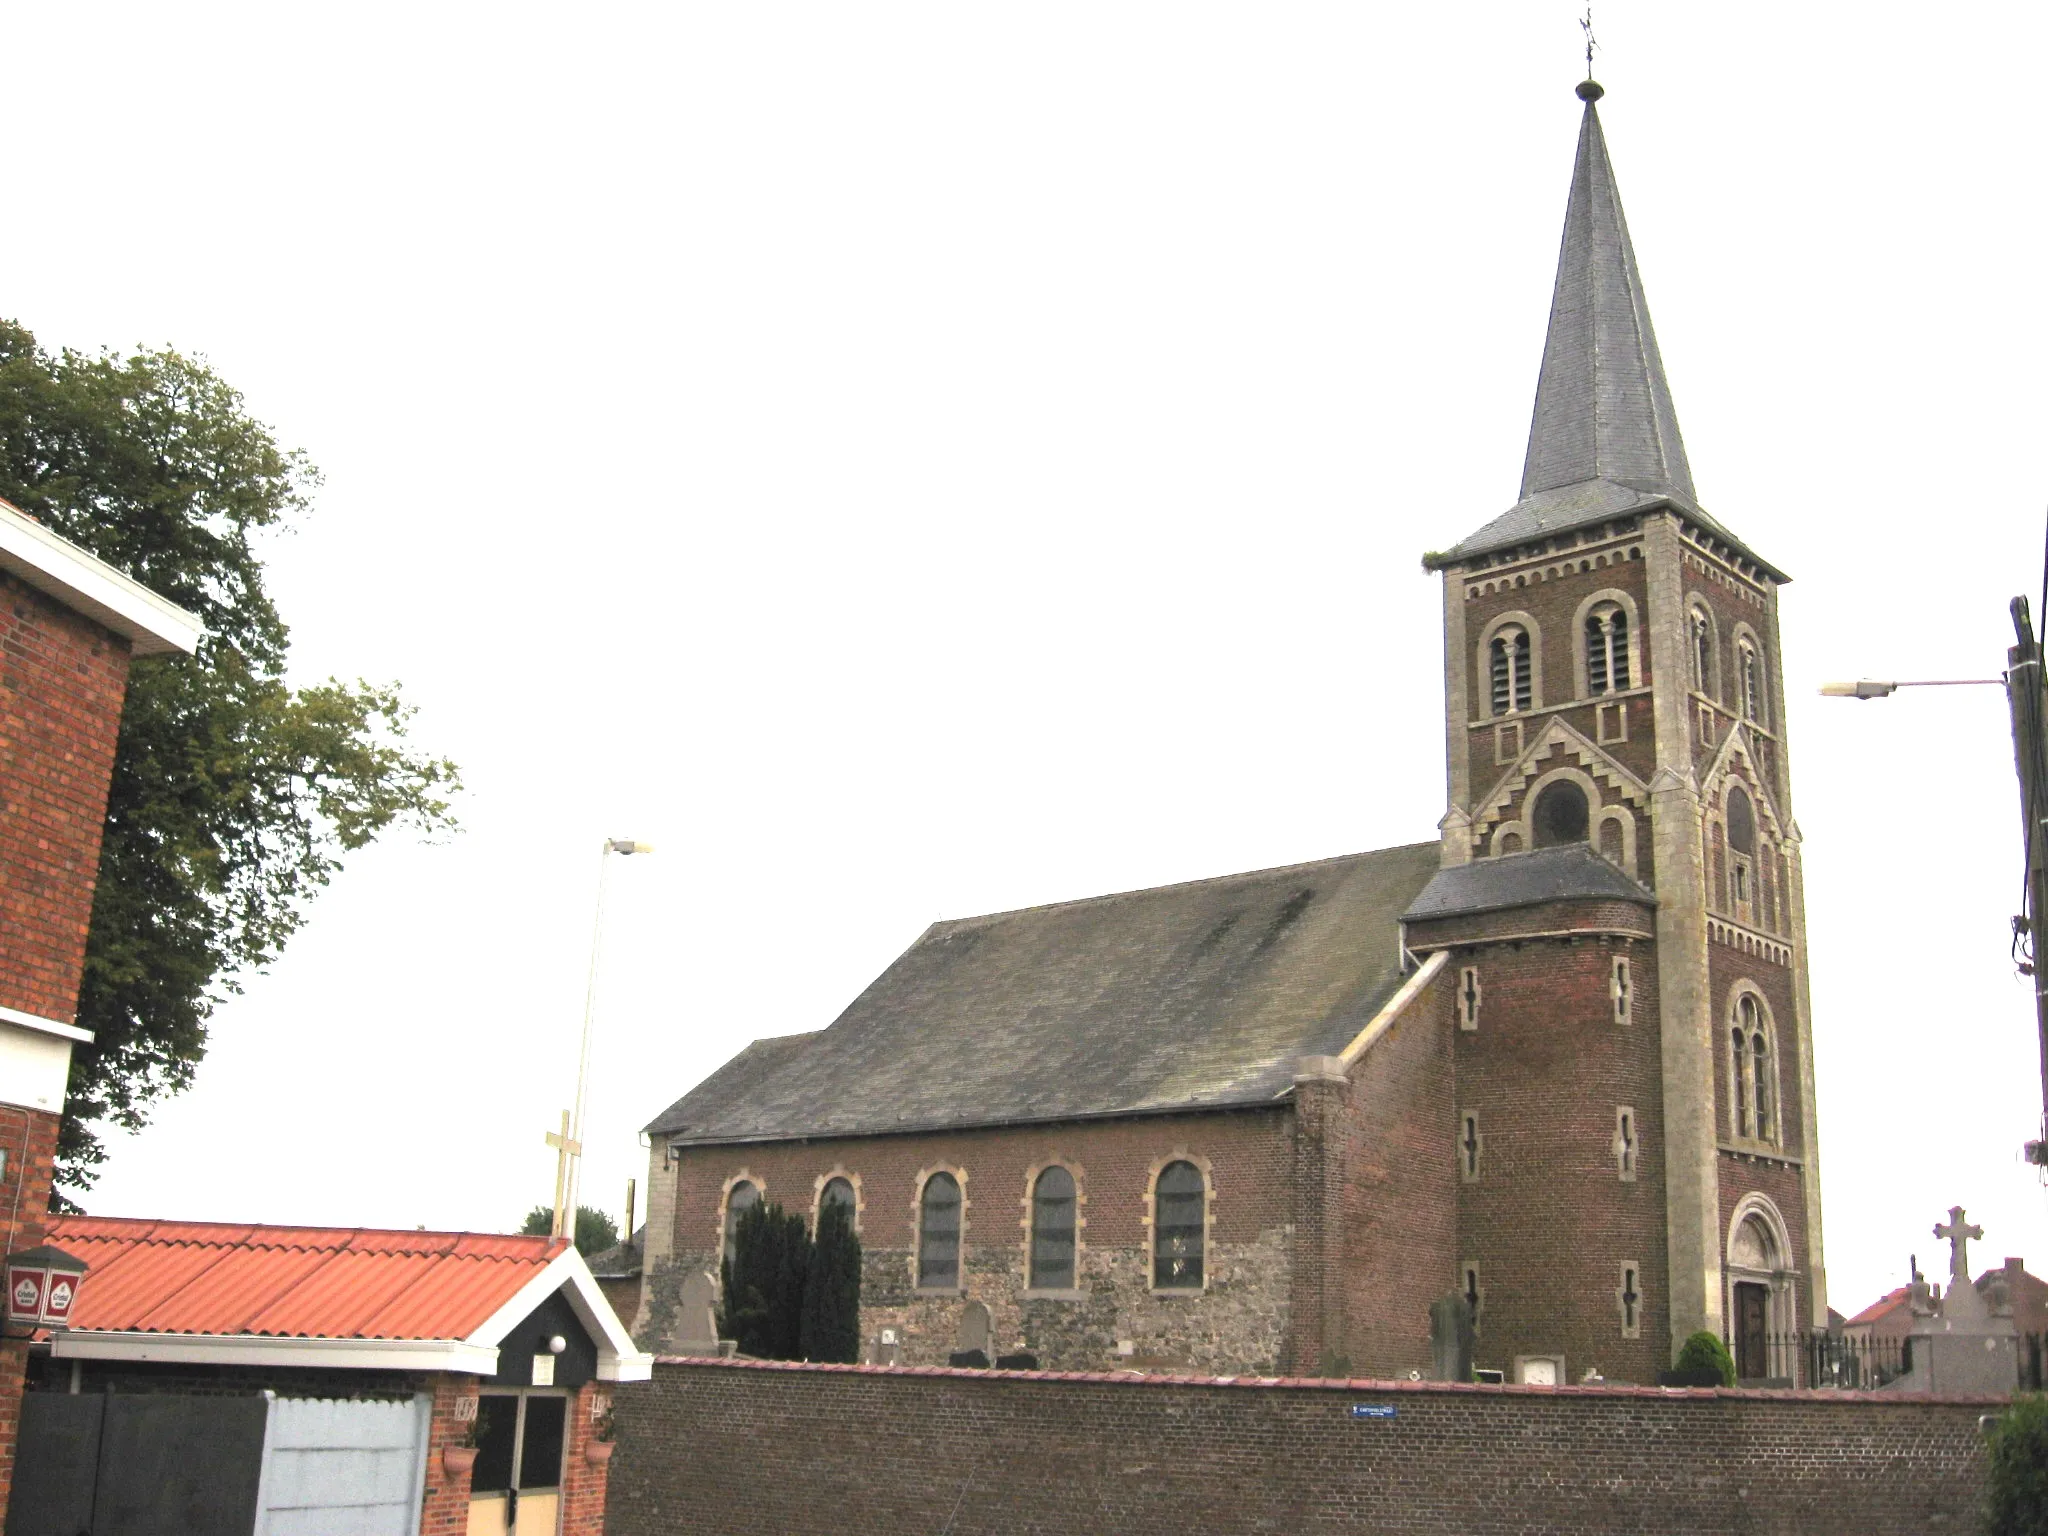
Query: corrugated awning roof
[{"x": 202, "y": 1278}]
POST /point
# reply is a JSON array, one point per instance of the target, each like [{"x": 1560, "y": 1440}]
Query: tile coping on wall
[{"x": 1348, "y": 1384}]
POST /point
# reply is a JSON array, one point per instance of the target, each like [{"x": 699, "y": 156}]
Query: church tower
[{"x": 1621, "y": 890}]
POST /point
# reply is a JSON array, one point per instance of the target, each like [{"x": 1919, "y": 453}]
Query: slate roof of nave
[{"x": 1185, "y": 997}]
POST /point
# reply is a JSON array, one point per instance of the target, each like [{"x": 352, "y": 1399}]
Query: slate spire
[{"x": 1603, "y": 406}]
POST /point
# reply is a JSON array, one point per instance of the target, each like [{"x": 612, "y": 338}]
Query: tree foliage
[
  {"x": 595, "y": 1231},
  {"x": 830, "y": 1329},
  {"x": 234, "y": 795},
  {"x": 762, "y": 1285},
  {"x": 1704, "y": 1351},
  {"x": 2018, "y": 1451}
]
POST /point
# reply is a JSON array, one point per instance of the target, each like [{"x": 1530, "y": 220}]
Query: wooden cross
[
  {"x": 1958, "y": 1232},
  {"x": 565, "y": 1149}
]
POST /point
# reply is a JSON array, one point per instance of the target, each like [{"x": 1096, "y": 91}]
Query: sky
[{"x": 912, "y": 460}]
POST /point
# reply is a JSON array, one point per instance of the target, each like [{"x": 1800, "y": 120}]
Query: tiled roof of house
[
  {"x": 1881, "y": 1308},
  {"x": 1185, "y": 997},
  {"x": 189, "y": 1277}
]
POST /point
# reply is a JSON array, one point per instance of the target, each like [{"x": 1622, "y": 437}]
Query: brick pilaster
[{"x": 1315, "y": 1334}]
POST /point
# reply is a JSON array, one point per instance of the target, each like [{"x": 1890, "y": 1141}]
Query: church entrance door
[
  {"x": 516, "y": 1487},
  {"x": 1752, "y": 1331}
]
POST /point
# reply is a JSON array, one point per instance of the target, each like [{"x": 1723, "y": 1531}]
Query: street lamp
[
  {"x": 572, "y": 1149},
  {"x": 2024, "y": 695}
]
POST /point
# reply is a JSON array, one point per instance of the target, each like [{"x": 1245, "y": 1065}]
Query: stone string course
[{"x": 771, "y": 1447}]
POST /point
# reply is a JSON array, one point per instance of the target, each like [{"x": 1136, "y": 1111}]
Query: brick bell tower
[{"x": 1621, "y": 890}]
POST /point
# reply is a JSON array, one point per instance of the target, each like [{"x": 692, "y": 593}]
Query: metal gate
[
  {"x": 163, "y": 1464},
  {"x": 144, "y": 1465}
]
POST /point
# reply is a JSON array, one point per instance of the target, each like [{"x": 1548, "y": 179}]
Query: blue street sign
[{"x": 1372, "y": 1410}]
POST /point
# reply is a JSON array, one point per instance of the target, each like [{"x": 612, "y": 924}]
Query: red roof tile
[
  {"x": 303, "y": 1282},
  {"x": 1879, "y": 1309}
]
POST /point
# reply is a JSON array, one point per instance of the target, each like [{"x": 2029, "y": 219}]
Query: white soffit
[
  {"x": 90, "y": 586},
  {"x": 617, "y": 1359},
  {"x": 46, "y": 1026},
  {"x": 261, "y": 1349}
]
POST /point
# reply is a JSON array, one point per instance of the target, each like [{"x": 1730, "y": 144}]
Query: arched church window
[
  {"x": 1760, "y": 1064},
  {"x": 1702, "y": 651},
  {"x": 1508, "y": 661},
  {"x": 1753, "y": 1074},
  {"x": 1607, "y": 649},
  {"x": 1561, "y": 815},
  {"x": 938, "y": 1233},
  {"x": 741, "y": 1198},
  {"x": 1052, "y": 1231},
  {"x": 1741, "y": 820},
  {"x": 1179, "y": 1227},
  {"x": 1738, "y": 1058}
]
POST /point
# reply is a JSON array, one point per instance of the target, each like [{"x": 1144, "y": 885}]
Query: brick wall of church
[
  {"x": 62, "y": 679},
  {"x": 730, "y": 1447},
  {"x": 1400, "y": 1195},
  {"x": 1239, "y": 1322},
  {"x": 1548, "y": 1220}
]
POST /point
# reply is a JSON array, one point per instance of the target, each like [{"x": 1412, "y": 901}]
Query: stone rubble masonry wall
[
  {"x": 62, "y": 680},
  {"x": 884, "y": 1451},
  {"x": 1239, "y": 1323}
]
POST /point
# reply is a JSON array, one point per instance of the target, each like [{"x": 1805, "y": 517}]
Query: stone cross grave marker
[
  {"x": 1958, "y": 1232},
  {"x": 696, "y": 1321}
]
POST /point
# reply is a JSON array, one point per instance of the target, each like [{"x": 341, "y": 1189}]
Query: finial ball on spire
[{"x": 1591, "y": 90}]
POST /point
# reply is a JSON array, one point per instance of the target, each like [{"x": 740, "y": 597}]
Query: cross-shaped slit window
[
  {"x": 1469, "y": 1146},
  {"x": 1468, "y": 998}
]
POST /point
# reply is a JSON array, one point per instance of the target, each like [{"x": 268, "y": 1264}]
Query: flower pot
[
  {"x": 598, "y": 1452},
  {"x": 456, "y": 1460}
]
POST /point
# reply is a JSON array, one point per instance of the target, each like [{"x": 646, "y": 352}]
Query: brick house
[
  {"x": 69, "y": 625},
  {"x": 1557, "y": 1060}
]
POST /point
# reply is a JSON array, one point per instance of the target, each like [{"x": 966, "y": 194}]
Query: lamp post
[
  {"x": 2024, "y": 695},
  {"x": 565, "y": 1212}
]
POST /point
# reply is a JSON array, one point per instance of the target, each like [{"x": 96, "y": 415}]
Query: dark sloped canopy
[
  {"x": 1524, "y": 880},
  {"x": 1185, "y": 997}
]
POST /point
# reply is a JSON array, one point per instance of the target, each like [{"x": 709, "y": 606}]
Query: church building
[{"x": 1558, "y": 1060}]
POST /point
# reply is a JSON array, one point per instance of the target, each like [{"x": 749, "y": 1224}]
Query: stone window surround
[
  {"x": 1697, "y": 606},
  {"x": 1483, "y": 677},
  {"x": 1471, "y": 997},
  {"x": 1621, "y": 990},
  {"x": 1075, "y": 1292},
  {"x": 1745, "y": 639},
  {"x": 1468, "y": 1285},
  {"x": 1180, "y": 1154},
  {"x": 745, "y": 1175},
  {"x": 1581, "y": 675},
  {"x": 1628, "y": 1150},
  {"x": 1471, "y": 1157},
  {"x": 837, "y": 1171},
  {"x": 1629, "y": 1270},
  {"x": 1733, "y": 1019},
  {"x": 917, "y": 1185}
]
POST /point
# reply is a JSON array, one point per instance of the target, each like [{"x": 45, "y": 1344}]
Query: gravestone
[
  {"x": 1965, "y": 1347},
  {"x": 885, "y": 1349},
  {"x": 1023, "y": 1360},
  {"x": 970, "y": 1346},
  {"x": 1450, "y": 1338},
  {"x": 696, "y": 1331}
]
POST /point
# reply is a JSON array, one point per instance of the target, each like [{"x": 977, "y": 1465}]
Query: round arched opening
[{"x": 1561, "y": 815}]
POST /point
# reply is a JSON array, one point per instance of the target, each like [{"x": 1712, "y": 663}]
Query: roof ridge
[{"x": 1173, "y": 885}]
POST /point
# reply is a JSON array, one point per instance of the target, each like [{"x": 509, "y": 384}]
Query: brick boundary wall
[{"x": 771, "y": 1447}]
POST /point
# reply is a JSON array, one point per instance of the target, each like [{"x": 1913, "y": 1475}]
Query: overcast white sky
[{"x": 914, "y": 460}]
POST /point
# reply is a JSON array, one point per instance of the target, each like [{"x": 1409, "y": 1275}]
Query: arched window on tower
[
  {"x": 1508, "y": 663},
  {"x": 1750, "y": 663},
  {"x": 1561, "y": 815},
  {"x": 1052, "y": 1231},
  {"x": 1702, "y": 651},
  {"x": 1607, "y": 669},
  {"x": 1752, "y": 1072},
  {"x": 1741, "y": 818}
]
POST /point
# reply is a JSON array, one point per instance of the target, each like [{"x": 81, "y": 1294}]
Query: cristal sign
[
  {"x": 42, "y": 1287},
  {"x": 1373, "y": 1410}
]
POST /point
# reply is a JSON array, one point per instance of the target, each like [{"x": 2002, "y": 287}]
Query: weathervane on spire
[{"x": 1589, "y": 90}]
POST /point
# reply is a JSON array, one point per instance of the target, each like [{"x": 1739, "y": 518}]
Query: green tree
[
  {"x": 595, "y": 1231},
  {"x": 762, "y": 1284},
  {"x": 234, "y": 795},
  {"x": 2018, "y": 1450},
  {"x": 830, "y": 1328},
  {"x": 1704, "y": 1351}
]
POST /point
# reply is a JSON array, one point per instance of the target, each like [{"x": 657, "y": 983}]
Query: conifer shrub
[
  {"x": 785, "y": 1296},
  {"x": 831, "y": 1312},
  {"x": 2018, "y": 1451},
  {"x": 1704, "y": 1351}
]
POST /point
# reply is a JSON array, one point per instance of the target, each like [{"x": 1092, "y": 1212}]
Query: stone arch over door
[{"x": 1761, "y": 1298}]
